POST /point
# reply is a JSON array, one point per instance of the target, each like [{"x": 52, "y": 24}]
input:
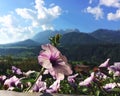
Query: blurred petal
[
  {"x": 12, "y": 82},
  {"x": 54, "y": 87},
  {"x": 46, "y": 72},
  {"x": 60, "y": 76},
  {"x": 16, "y": 70},
  {"x": 115, "y": 69},
  {"x": 87, "y": 81},
  {"x": 2, "y": 78},
  {"x": 71, "y": 78},
  {"x": 39, "y": 85},
  {"x": 110, "y": 86},
  {"x": 105, "y": 64}
]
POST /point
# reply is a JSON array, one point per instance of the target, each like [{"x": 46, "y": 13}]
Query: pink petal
[
  {"x": 87, "y": 81},
  {"x": 44, "y": 62},
  {"x": 105, "y": 64},
  {"x": 117, "y": 73},
  {"x": 60, "y": 76},
  {"x": 71, "y": 78},
  {"x": 54, "y": 87},
  {"x": 64, "y": 69},
  {"x": 45, "y": 54},
  {"x": 46, "y": 72},
  {"x": 53, "y": 50}
]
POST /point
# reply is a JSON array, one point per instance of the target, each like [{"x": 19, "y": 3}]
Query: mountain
[
  {"x": 38, "y": 39},
  {"x": 71, "y": 37},
  {"x": 25, "y": 43},
  {"x": 43, "y": 37},
  {"x": 77, "y": 38},
  {"x": 105, "y": 35}
]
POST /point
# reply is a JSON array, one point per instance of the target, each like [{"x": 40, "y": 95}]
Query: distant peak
[
  {"x": 72, "y": 30},
  {"x": 107, "y": 30}
]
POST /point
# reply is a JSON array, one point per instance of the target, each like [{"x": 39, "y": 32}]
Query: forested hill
[
  {"x": 78, "y": 38},
  {"x": 111, "y": 36},
  {"x": 96, "y": 53}
]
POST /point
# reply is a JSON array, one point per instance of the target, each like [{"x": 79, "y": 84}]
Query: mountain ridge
[
  {"x": 71, "y": 37},
  {"x": 110, "y": 36},
  {"x": 77, "y": 38},
  {"x": 24, "y": 43}
]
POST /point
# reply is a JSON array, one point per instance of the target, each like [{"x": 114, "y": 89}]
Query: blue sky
[{"x": 20, "y": 20}]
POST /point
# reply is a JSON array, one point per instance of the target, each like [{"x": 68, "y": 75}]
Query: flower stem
[{"x": 40, "y": 73}]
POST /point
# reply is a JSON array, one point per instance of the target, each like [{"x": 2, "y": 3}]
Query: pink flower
[
  {"x": 101, "y": 75},
  {"x": 105, "y": 64},
  {"x": 12, "y": 82},
  {"x": 117, "y": 73},
  {"x": 16, "y": 70},
  {"x": 2, "y": 78},
  {"x": 110, "y": 86},
  {"x": 54, "y": 87},
  {"x": 71, "y": 78},
  {"x": 87, "y": 81},
  {"x": 51, "y": 59},
  {"x": 39, "y": 85},
  {"x": 115, "y": 69}
]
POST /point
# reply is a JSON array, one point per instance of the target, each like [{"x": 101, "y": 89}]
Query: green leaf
[
  {"x": 84, "y": 89},
  {"x": 97, "y": 93},
  {"x": 17, "y": 89},
  {"x": 25, "y": 80}
]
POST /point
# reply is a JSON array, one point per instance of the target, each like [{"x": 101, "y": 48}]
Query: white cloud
[
  {"x": 11, "y": 31},
  {"x": 96, "y": 11},
  {"x": 6, "y": 21},
  {"x": 114, "y": 16},
  {"x": 25, "y": 13},
  {"x": 110, "y": 3},
  {"x": 46, "y": 13},
  {"x": 24, "y": 22},
  {"x": 40, "y": 16},
  {"x": 47, "y": 27}
]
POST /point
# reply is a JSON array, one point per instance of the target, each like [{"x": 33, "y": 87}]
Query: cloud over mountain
[{"x": 22, "y": 23}]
